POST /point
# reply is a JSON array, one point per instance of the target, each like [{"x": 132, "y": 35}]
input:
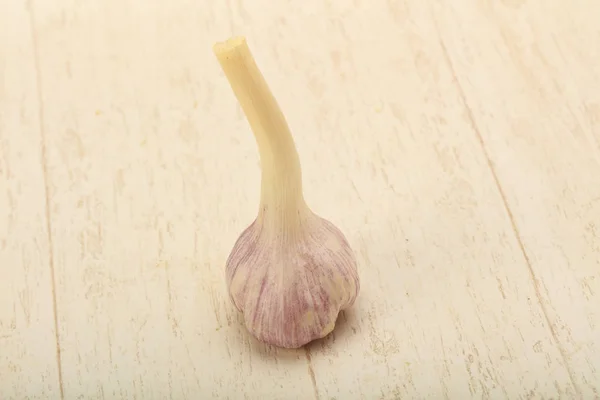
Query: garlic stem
[{"x": 282, "y": 200}]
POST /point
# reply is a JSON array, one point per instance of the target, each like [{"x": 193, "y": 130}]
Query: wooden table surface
[{"x": 456, "y": 144}]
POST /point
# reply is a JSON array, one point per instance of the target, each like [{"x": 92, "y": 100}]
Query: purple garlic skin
[{"x": 291, "y": 285}]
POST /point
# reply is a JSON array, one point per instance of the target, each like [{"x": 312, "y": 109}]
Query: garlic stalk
[{"x": 290, "y": 272}]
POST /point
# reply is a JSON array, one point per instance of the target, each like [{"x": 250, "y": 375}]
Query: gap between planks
[{"x": 44, "y": 162}]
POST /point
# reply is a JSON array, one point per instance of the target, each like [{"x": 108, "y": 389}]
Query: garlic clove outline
[{"x": 291, "y": 271}]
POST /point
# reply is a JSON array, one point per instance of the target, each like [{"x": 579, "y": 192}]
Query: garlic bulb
[{"x": 290, "y": 272}]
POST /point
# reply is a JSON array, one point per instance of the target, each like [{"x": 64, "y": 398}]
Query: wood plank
[
  {"x": 448, "y": 309},
  {"x": 150, "y": 171},
  {"x": 28, "y": 344},
  {"x": 530, "y": 72}
]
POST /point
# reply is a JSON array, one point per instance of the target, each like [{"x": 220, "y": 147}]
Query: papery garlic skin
[{"x": 291, "y": 288}]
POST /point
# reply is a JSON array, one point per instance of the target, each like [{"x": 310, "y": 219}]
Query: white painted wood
[
  {"x": 544, "y": 147},
  {"x": 455, "y": 144},
  {"x": 28, "y": 346}
]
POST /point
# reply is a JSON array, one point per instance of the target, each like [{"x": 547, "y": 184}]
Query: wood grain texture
[
  {"x": 456, "y": 145},
  {"x": 28, "y": 344},
  {"x": 544, "y": 148}
]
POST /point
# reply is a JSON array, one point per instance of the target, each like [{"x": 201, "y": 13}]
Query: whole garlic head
[
  {"x": 290, "y": 272},
  {"x": 292, "y": 287}
]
